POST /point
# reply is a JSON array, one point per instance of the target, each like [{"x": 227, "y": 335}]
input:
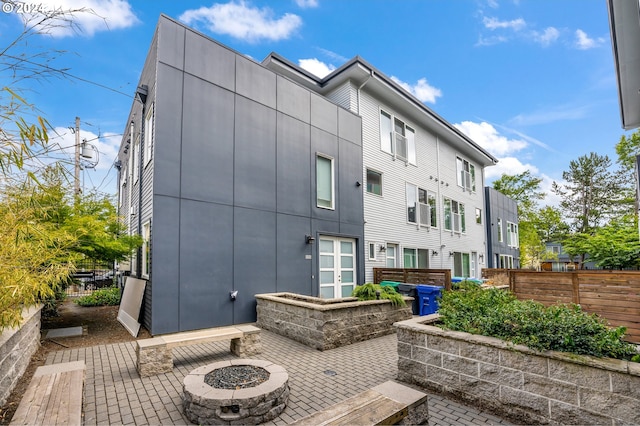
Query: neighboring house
[
  {"x": 561, "y": 261},
  {"x": 423, "y": 178},
  {"x": 238, "y": 179},
  {"x": 503, "y": 246}
]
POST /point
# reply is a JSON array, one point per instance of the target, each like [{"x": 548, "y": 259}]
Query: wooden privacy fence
[
  {"x": 614, "y": 295},
  {"x": 441, "y": 277}
]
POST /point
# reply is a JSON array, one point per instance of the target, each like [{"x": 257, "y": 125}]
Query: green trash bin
[{"x": 393, "y": 284}]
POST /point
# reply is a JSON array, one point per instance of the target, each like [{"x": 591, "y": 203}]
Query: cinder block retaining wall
[
  {"x": 524, "y": 385},
  {"x": 17, "y": 345},
  {"x": 328, "y": 323}
]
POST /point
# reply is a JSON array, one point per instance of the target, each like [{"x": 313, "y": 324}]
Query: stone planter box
[
  {"x": 514, "y": 381},
  {"x": 328, "y": 323}
]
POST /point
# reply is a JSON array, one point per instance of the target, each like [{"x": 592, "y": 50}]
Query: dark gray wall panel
[
  {"x": 349, "y": 126},
  {"x": 324, "y": 114},
  {"x": 207, "y": 142},
  {"x": 350, "y": 195},
  {"x": 210, "y": 61},
  {"x": 326, "y": 144},
  {"x": 255, "y": 155},
  {"x": 171, "y": 43},
  {"x": 254, "y": 266},
  {"x": 255, "y": 82},
  {"x": 164, "y": 261},
  {"x": 293, "y": 99},
  {"x": 293, "y": 269},
  {"x": 293, "y": 170},
  {"x": 168, "y": 128},
  {"x": 206, "y": 259}
]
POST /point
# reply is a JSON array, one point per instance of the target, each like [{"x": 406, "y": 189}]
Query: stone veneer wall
[
  {"x": 17, "y": 345},
  {"x": 328, "y": 323},
  {"x": 517, "y": 382}
]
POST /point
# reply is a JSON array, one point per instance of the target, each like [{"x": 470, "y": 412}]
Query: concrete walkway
[{"x": 115, "y": 394}]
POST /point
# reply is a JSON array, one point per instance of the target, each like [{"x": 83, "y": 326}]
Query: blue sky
[{"x": 532, "y": 81}]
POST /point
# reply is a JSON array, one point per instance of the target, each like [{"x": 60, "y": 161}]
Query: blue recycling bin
[{"x": 428, "y": 296}]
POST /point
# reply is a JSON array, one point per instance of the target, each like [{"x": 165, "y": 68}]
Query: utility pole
[{"x": 77, "y": 160}]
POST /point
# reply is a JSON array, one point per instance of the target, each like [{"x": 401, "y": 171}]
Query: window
[
  {"x": 505, "y": 261},
  {"x": 555, "y": 249},
  {"x": 500, "y": 236},
  {"x": 461, "y": 265},
  {"x": 478, "y": 216},
  {"x": 374, "y": 182},
  {"x": 324, "y": 182},
  {"x": 372, "y": 251},
  {"x": 454, "y": 216},
  {"x": 416, "y": 258},
  {"x": 512, "y": 234},
  {"x": 135, "y": 151},
  {"x": 396, "y": 138},
  {"x": 421, "y": 206},
  {"x": 148, "y": 135},
  {"x": 146, "y": 249},
  {"x": 123, "y": 177},
  {"x": 466, "y": 174}
]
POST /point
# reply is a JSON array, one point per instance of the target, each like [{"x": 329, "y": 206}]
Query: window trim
[
  {"x": 458, "y": 213},
  {"x": 469, "y": 169},
  {"x": 478, "y": 216},
  {"x": 431, "y": 210},
  {"x": 388, "y": 143},
  {"x": 372, "y": 250},
  {"x": 500, "y": 231},
  {"x": 512, "y": 234},
  {"x": 135, "y": 151},
  {"x": 332, "y": 184},
  {"x": 146, "y": 249},
  {"x": 367, "y": 183},
  {"x": 149, "y": 124}
]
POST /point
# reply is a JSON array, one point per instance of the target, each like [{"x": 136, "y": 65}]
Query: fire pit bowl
[{"x": 248, "y": 391}]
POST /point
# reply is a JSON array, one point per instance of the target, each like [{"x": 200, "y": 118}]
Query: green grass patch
[{"x": 109, "y": 296}]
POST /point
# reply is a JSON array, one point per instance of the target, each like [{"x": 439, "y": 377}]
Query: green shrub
[
  {"x": 104, "y": 297},
  {"x": 565, "y": 328},
  {"x": 370, "y": 291}
]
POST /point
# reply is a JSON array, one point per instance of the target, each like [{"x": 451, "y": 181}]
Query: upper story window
[
  {"x": 500, "y": 235},
  {"x": 421, "y": 206},
  {"x": 512, "y": 234},
  {"x": 146, "y": 249},
  {"x": 148, "y": 135},
  {"x": 325, "y": 182},
  {"x": 466, "y": 174},
  {"x": 397, "y": 139},
  {"x": 478, "y": 216},
  {"x": 454, "y": 216},
  {"x": 135, "y": 152},
  {"x": 374, "y": 182}
]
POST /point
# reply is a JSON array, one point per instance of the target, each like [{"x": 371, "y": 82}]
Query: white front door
[{"x": 337, "y": 267}]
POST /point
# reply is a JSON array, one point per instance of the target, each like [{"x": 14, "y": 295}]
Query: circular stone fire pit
[{"x": 241, "y": 391}]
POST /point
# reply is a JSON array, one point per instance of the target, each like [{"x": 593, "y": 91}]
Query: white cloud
[
  {"x": 86, "y": 17},
  {"x": 316, "y": 67},
  {"x": 240, "y": 20},
  {"x": 485, "y": 135},
  {"x": 584, "y": 42},
  {"x": 421, "y": 90},
  {"x": 550, "y": 199},
  {"x": 307, "y": 3},
  {"x": 494, "y": 24},
  {"x": 548, "y": 36},
  {"x": 509, "y": 166},
  {"x": 551, "y": 114}
]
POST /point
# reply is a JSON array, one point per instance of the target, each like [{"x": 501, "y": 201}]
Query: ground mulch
[{"x": 100, "y": 326}]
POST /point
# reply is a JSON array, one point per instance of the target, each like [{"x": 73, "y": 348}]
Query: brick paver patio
[{"x": 115, "y": 394}]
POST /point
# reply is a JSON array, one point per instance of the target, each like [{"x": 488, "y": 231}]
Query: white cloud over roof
[
  {"x": 421, "y": 90},
  {"x": 242, "y": 21},
  {"x": 316, "y": 67},
  {"x": 485, "y": 135}
]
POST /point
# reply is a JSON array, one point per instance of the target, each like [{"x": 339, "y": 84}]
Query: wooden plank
[{"x": 75, "y": 399}]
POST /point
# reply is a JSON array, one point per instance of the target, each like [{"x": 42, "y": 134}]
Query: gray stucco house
[
  {"x": 503, "y": 246},
  {"x": 238, "y": 179}
]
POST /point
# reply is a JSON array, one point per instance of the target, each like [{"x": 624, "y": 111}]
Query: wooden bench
[
  {"x": 155, "y": 355},
  {"x": 54, "y": 396},
  {"x": 386, "y": 404}
]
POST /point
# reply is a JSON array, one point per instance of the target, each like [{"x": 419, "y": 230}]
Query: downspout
[
  {"x": 140, "y": 173},
  {"x": 441, "y": 227},
  {"x": 358, "y": 112},
  {"x": 358, "y": 91}
]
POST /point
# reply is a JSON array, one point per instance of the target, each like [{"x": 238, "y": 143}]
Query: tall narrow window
[
  {"x": 324, "y": 182},
  {"x": 374, "y": 182},
  {"x": 454, "y": 216},
  {"x": 391, "y": 255},
  {"x": 412, "y": 205},
  {"x": 372, "y": 251},
  {"x": 411, "y": 145},
  {"x": 478, "y": 216},
  {"x": 447, "y": 214},
  {"x": 148, "y": 135},
  {"x": 136, "y": 159},
  {"x": 146, "y": 249},
  {"x": 466, "y": 174},
  {"x": 386, "y": 143},
  {"x": 500, "y": 237}
]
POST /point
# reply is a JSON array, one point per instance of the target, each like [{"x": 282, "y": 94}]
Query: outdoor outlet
[{"x": 233, "y": 294}]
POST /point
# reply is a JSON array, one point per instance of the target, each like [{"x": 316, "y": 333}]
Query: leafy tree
[
  {"x": 627, "y": 150},
  {"x": 524, "y": 189},
  {"x": 613, "y": 246},
  {"x": 591, "y": 193}
]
